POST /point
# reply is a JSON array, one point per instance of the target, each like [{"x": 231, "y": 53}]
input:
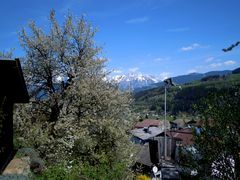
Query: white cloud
[
  {"x": 137, "y": 20},
  {"x": 225, "y": 63},
  {"x": 192, "y": 71},
  {"x": 181, "y": 29},
  {"x": 117, "y": 71},
  {"x": 191, "y": 47},
  {"x": 215, "y": 65},
  {"x": 133, "y": 70},
  {"x": 59, "y": 78},
  {"x": 164, "y": 75},
  {"x": 230, "y": 62},
  {"x": 160, "y": 59},
  {"x": 209, "y": 59}
]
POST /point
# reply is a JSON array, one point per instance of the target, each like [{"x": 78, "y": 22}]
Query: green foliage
[
  {"x": 217, "y": 147},
  {"x": 101, "y": 171},
  {"x": 55, "y": 172},
  {"x": 212, "y": 78},
  {"x": 104, "y": 170},
  {"x": 182, "y": 100}
]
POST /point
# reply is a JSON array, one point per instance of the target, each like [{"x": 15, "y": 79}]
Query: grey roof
[{"x": 152, "y": 132}]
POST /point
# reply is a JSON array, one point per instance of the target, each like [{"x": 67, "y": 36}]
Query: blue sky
[{"x": 158, "y": 37}]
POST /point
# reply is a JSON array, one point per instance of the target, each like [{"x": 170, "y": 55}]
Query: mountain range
[
  {"x": 138, "y": 82},
  {"x": 134, "y": 81},
  {"x": 186, "y": 98}
]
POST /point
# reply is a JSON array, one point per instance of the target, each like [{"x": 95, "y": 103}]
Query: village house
[
  {"x": 182, "y": 123},
  {"x": 152, "y": 152},
  {"x": 150, "y": 134},
  {"x": 184, "y": 136},
  {"x": 147, "y": 129},
  {"x": 151, "y": 123},
  {"x": 13, "y": 90}
]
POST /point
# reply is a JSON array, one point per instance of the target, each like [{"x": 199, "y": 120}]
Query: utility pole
[
  {"x": 165, "y": 128},
  {"x": 167, "y": 83}
]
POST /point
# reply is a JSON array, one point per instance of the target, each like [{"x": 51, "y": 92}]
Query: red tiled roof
[
  {"x": 186, "y": 135},
  {"x": 147, "y": 123}
]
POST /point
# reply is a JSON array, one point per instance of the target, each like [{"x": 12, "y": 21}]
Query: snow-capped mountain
[
  {"x": 132, "y": 81},
  {"x": 140, "y": 82}
]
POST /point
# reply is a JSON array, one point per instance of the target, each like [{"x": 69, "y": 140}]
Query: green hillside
[{"x": 183, "y": 100}]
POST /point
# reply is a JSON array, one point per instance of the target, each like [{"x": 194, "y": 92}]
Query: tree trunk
[{"x": 55, "y": 111}]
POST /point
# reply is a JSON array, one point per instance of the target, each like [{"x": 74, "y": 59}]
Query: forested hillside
[{"x": 183, "y": 99}]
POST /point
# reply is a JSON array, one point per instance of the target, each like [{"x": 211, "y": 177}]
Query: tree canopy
[
  {"x": 217, "y": 146},
  {"x": 76, "y": 116}
]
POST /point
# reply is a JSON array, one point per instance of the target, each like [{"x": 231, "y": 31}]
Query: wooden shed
[{"x": 12, "y": 90}]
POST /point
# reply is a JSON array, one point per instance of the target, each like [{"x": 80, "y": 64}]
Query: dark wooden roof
[{"x": 12, "y": 83}]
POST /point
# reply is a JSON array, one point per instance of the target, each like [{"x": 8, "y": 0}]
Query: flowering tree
[{"x": 75, "y": 115}]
